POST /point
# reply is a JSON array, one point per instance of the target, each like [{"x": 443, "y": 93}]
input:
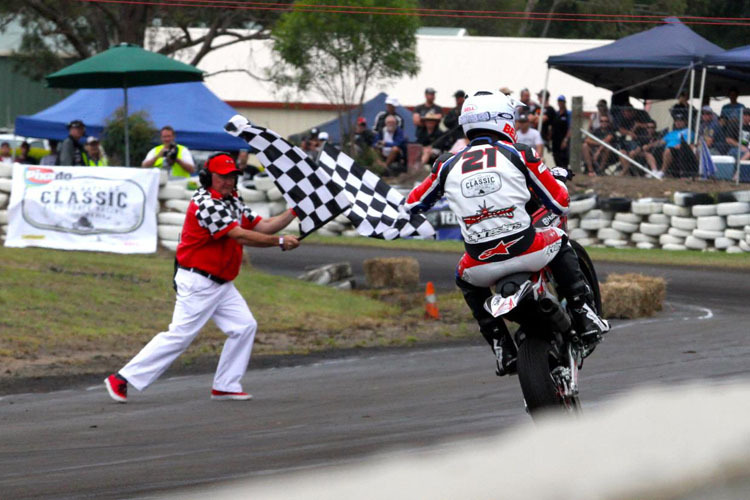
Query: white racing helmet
[{"x": 490, "y": 110}]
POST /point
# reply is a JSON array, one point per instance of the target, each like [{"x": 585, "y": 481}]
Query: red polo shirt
[{"x": 204, "y": 243}]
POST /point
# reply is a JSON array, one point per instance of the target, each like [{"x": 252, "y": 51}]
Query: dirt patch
[{"x": 640, "y": 187}]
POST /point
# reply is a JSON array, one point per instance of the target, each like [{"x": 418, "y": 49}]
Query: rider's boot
[
  {"x": 572, "y": 285},
  {"x": 493, "y": 329},
  {"x": 587, "y": 323},
  {"x": 506, "y": 352}
]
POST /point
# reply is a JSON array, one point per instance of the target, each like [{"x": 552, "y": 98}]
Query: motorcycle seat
[{"x": 508, "y": 285}]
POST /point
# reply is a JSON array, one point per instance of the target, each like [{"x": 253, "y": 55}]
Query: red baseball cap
[
  {"x": 361, "y": 119},
  {"x": 222, "y": 164}
]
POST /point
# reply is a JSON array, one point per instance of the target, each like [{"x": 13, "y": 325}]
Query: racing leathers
[{"x": 487, "y": 187}]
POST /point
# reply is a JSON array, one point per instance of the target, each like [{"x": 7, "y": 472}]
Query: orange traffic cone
[{"x": 430, "y": 302}]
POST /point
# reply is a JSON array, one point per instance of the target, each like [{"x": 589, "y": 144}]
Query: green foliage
[
  {"x": 723, "y": 35},
  {"x": 141, "y": 134},
  {"x": 338, "y": 54},
  {"x": 59, "y": 32}
]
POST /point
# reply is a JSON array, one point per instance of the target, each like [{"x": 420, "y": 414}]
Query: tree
[
  {"x": 141, "y": 136},
  {"x": 339, "y": 55},
  {"x": 543, "y": 17},
  {"x": 58, "y": 31}
]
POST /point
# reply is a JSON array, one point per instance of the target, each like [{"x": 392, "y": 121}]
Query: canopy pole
[
  {"x": 644, "y": 82},
  {"x": 690, "y": 105},
  {"x": 545, "y": 95},
  {"x": 739, "y": 146},
  {"x": 127, "y": 139},
  {"x": 700, "y": 104}
]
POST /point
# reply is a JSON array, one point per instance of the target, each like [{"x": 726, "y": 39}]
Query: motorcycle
[{"x": 550, "y": 352}]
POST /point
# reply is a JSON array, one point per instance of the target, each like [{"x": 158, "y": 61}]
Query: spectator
[
  {"x": 547, "y": 113},
  {"x": 23, "y": 157},
  {"x": 429, "y": 107},
  {"x": 731, "y": 109},
  {"x": 627, "y": 124},
  {"x": 455, "y": 132},
  {"x": 51, "y": 158},
  {"x": 364, "y": 138},
  {"x": 530, "y": 108},
  {"x": 646, "y": 148},
  {"x": 527, "y": 135},
  {"x": 94, "y": 155},
  {"x": 601, "y": 110},
  {"x": 5, "y": 154},
  {"x": 677, "y": 152},
  {"x": 710, "y": 130},
  {"x": 391, "y": 103},
  {"x": 175, "y": 156},
  {"x": 243, "y": 163},
  {"x": 428, "y": 135},
  {"x": 71, "y": 152},
  {"x": 733, "y": 133},
  {"x": 560, "y": 132},
  {"x": 310, "y": 142},
  {"x": 322, "y": 140},
  {"x": 720, "y": 140},
  {"x": 391, "y": 144},
  {"x": 682, "y": 107},
  {"x": 595, "y": 156}
]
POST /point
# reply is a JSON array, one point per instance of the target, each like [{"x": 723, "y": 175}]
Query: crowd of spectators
[
  {"x": 620, "y": 136},
  {"x": 620, "y": 133}
]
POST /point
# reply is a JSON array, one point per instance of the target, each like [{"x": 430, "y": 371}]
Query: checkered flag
[
  {"x": 308, "y": 189},
  {"x": 377, "y": 209}
]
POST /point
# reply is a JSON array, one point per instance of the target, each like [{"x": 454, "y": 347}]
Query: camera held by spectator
[{"x": 171, "y": 152}]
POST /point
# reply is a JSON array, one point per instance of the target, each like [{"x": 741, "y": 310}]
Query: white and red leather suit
[{"x": 487, "y": 187}]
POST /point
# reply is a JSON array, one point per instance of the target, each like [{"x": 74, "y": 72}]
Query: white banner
[{"x": 110, "y": 209}]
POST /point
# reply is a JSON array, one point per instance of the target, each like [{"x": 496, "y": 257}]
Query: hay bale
[
  {"x": 392, "y": 272},
  {"x": 632, "y": 295}
]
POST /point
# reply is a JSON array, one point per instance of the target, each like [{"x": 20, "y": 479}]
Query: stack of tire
[
  {"x": 6, "y": 172},
  {"x": 688, "y": 221}
]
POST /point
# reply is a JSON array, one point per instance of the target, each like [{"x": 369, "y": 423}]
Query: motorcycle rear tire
[{"x": 536, "y": 359}]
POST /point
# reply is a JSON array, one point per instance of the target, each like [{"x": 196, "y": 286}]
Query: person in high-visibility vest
[
  {"x": 94, "y": 155},
  {"x": 169, "y": 154}
]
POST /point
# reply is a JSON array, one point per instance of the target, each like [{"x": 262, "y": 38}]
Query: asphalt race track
[{"x": 78, "y": 444}]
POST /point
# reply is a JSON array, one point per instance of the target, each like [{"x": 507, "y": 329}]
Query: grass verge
[
  {"x": 626, "y": 255},
  {"x": 83, "y": 312}
]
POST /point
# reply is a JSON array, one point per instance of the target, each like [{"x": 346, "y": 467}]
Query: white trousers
[{"x": 198, "y": 300}]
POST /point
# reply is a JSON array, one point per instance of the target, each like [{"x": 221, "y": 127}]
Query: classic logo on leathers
[
  {"x": 481, "y": 184},
  {"x": 484, "y": 212}
]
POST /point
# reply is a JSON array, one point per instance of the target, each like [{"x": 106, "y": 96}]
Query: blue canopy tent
[
  {"x": 738, "y": 57},
  {"x": 369, "y": 110},
  {"x": 652, "y": 64},
  {"x": 196, "y": 114}
]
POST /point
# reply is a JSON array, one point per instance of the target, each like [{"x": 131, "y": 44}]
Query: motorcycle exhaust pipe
[{"x": 550, "y": 307}]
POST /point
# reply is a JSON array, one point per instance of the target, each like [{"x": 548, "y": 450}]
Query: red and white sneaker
[
  {"x": 230, "y": 396},
  {"x": 117, "y": 388}
]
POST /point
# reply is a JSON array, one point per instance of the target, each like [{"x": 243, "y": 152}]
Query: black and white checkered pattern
[
  {"x": 308, "y": 189},
  {"x": 217, "y": 214},
  {"x": 377, "y": 209}
]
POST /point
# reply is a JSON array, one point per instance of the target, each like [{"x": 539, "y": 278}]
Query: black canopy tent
[{"x": 652, "y": 64}]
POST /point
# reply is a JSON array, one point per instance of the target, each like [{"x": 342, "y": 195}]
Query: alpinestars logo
[
  {"x": 500, "y": 249},
  {"x": 484, "y": 212}
]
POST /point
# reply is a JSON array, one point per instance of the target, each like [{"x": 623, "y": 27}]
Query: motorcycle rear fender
[{"x": 499, "y": 305}]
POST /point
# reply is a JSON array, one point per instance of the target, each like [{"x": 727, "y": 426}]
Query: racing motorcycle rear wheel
[{"x": 537, "y": 358}]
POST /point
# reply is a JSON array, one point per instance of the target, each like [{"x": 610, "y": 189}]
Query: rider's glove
[{"x": 561, "y": 174}]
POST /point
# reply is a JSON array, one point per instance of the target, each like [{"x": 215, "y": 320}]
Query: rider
[{"x": 487, "y": 186}]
